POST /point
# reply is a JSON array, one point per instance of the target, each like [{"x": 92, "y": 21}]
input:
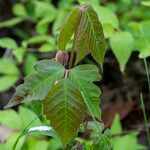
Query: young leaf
[
  {"x": 122, "y": 44},
  {"x": 89, "y": 37},
  {"x": 64, "y": 107},
  {"x": 83, "y": 76},
  {"x": 67, "y": 29},
  {"x": 101, "y": 143},
  {"x": 7, "y": 42},
  {"x": 91, "y": 125},
  {"x": 9, "y": 75},
  {"x": 37, "y": 85}
]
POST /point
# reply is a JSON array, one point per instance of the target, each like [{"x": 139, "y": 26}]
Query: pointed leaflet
[
  {"x": 89, "y": 37},
  {"x": 67, "y": 29},
  {"x": 37, "y": 85},
  {"x": 83, "y": 76},
  {"x": 122, "y": 44},
  {"x": 64, "y": 107}
]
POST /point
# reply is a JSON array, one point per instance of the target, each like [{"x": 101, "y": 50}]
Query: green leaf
[
  {"x": 19, "y": 10},
  {"x": 42, "y": 130},
  {"x": 146, "y": 3},
  {"x": 49, "y": 46},
  {"x": 39, "y": 145},
  {"x": 64, "y": 107},
  {"x": 2, "y": 145},
  {"x": 44, "y": 9},
  {"x": 141, "y": 34},
  {"x": 11, "y": 22},
  {"x": 11, "y": 141},
  {"x": 89, "y": 37},
  {"x": 145, "y": 52},
  {"x": 26, "y": 119},
  {"x": 67, "y": 29},
  {"x": 93, "y": 126},
  {"x": 83, "y": 76},
  {"x": 30, "y": 61},
  {"x": 7, "y": 42},
  {"x": 122, "y": 44},
  {"x": 102, "y": 142},
  {"x": 11, "y": 119},
  {"x": 106, "y": 16},
  {"x": 127, "y": 142},
  {"x": 92, "y": 2},
  {"x": 9, "y": 75},
  {"x": 36, "y": 86},
  {"x": 19, "y": 53},
  {"x": 62, "y": 12},
  {"x": 116, "y": 126},
  {"x": 42, "y": 25},
  {"x": 55, "y": 144},
  {"x": 38, "y": 39},
  {"x": 108, "y": 30}
]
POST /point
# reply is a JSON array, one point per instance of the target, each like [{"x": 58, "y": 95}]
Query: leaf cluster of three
[{"x": 66, "y": 99}]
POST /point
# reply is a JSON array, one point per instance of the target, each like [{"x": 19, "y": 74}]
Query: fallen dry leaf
[{"x": 109, "y": 111}]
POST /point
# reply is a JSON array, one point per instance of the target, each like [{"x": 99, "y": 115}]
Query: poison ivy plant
[
  {"x": 47, "y": 73},
  {"x": 92, "y": 35},
  {"x": 69, "y": 23},
  {"x": 83, "y": 76},
  {"x": 67, "y": 92},
  {"x": 64, "y": 107}
]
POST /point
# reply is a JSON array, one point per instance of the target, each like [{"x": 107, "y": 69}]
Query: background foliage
[{"x": 33, "y": 29}]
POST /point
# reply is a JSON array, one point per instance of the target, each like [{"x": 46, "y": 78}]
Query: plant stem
[
  {"x": 71, "y": 59},
  {"x": 145, "y": 118},
  {"x": 15, "y": 144},
  {"x": 147, "y": 74}
]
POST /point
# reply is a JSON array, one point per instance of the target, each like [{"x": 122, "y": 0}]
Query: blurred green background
[{"x": 28, "y": 33}]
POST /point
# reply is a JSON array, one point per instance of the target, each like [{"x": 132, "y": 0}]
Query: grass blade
[{"x": 145, "y": 118}]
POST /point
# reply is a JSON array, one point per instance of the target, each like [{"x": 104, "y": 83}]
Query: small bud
[{"x": 62, "y": 57}]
